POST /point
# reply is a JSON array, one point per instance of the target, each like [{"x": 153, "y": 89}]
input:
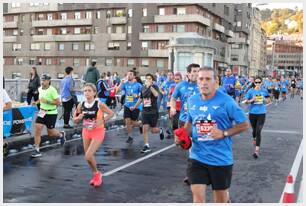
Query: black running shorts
[
  {"x": 49, "y": 120},
  {"x": 133, "y": 115},
  {"x": 150, "y": 119},
  {"x": 218, "y": 176}
]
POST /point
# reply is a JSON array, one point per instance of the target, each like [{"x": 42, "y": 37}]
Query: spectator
[
  {"x": 33, "y": 86},
  {"x": 92, "y": 74},
  {"x": 7, "y": 102},
  {"x": 68, "y": 95}
]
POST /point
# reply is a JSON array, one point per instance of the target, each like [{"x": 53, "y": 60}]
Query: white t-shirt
[{"x": 6, "y": 98}]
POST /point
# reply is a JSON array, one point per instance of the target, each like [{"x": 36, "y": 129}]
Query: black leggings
[
  {"x": 257, "y": 122},
  {"x": 30, "y": 95},
  {"x": 67, "y": 110}
]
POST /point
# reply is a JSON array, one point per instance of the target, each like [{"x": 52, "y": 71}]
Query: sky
[{"x": 291, "y": 5}]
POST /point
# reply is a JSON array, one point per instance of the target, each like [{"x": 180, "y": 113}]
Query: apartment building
[{"x": 119, "y": 37}]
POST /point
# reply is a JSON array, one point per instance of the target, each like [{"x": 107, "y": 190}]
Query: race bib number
[
  {"x": 42, "y": 113},
  {"x": 147, "y": 102},
  {"x": 204, "y": 130},
  {"x": 258, "y": 99},
  {"x": 130, "y": 98},
  {"x": 88, "y": 124}
]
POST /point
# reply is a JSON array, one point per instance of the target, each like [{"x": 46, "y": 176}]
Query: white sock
[
  {"x": 147, "y": 145},
  {"x": 37, "y": 148},
  {"x": 160, "y": 130}
]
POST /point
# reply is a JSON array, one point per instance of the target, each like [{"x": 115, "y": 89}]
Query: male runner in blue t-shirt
[{"x": 211, "y": 114}]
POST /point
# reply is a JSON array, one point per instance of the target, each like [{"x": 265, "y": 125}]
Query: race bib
[
  {"x": 130, "y": 98},
  {"x": 88, "y": 124},
  {"x": 147, "y": 102},
  {"x": 185, "y": 106},
  {"x": 168, "y": 104},
  {"x": 41, "y": 113},
  {"x": 258, "y": 99},
  {"x": 204, "y": 129}
]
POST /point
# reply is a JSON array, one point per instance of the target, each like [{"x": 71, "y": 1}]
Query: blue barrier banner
[{"x": 18, "y": 120}]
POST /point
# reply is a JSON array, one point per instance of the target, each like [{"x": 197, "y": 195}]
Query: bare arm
[
  {"x": 7, "y": 106},
  {"x": 155, "y": 93},
  {"x": 236, "y": 129}
]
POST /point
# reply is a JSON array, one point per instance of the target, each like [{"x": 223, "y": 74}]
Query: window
[
  {"x": 235, "y": 58},
  {"x": 181, "y": 11},
  {"x": 144, "y": 12},
  {"x": 75, "y": 46},
  {"x": 214, "y": 5},
  {"x": 108, "y": 13},
  {"x": 113, "y": 46},
  {"x": 48, "y": 61},
  {"x": 160, "y": 63},
  {"x": 63, "y": 31},
  {"x": 15, "y": 5},
  {"x": 208, "y": 60},
  {"x": 49, "y": 16},
  {"x": 49, "y": 31},
  {"x": 96, "y": 30},
  {"x": 18, "y": 61},
  {"x": 46, "y": 4},
  {"x": 77, "y": 30},
  {"x": 129, "y": 45},
  {"x": 40, "y": 32},
  {"x": 61, "y": 61},
  {"x": 88, "y": 15},
  {"x": 61, "y": 47},
  {"x": 32, "y": 61},
  {"x": 63, "y": 16},
  {"x": 161, "y": 11},
  {"x": 226, "y": 10},
  {"x": 238, "y": 23},
  {"x": 47, "y": 46},
  {"x": 131, "y": 63},
  {"x": 160, "y": 28},
  {"x": 181, "y": 28},
  {"x": 175, "y": 11},
  {"x": 144, "y": 45},
  {"x": 76, "y": 62},
  {"x": 15, "y": 32},
  {"x": 77, "y": 15},
  {"x": 36, "y": 4},
  {"x": 16, "y": 47},
  {"x": 21, "y": 32},
  {"x": 145, "y": 29},
  {"x": 108, "y": 62},
  {"x": 22, "y": 17},
  {"x": 98, "y": 15},
  {"x": 130, "y": 12},
  {"x": 236, "y": 46},
  {"x": 109, "y": 29},
  {"x": 129, "y": 29},
  {"x": 15, "y": 18},
  {"x": 119, "y": 13},
  {"x": 184, "y": 59},
  {"x": 145, "y": 63},
  {"x": 35, "y": 47},
  {"x": 118, "y": 29},
  {"x": 89, "y": 46}
]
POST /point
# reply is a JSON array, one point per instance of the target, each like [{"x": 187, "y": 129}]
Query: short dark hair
[
  {"x": 134, "y": 72},
  {"x": 191, "y": 66},
  {"x": 210, "y": 69},
  {"x": 150, "y": 75},
  {"x": 258, "y": 77},
  {"x": 93, "y": 63},
  {"x": 68, "y": 70}
]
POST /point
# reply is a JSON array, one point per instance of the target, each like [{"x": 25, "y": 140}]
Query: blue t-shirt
[
  {"x": 220, "y": 111},
  {"x": 268, "y": 84},
  {"x": 284, "y": 85},
  {"x": 166, "y": 87},
  {"x": 229, "y": 83},
  {"x": 257, "y": 107},
  {"x": 276, "y": 86},
  {"x": 222, "y": 89},
  {"x": 183, "y": 91},
  {"x": 131, "y": 89}
]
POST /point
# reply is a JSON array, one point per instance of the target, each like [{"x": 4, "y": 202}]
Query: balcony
[
  {"x": 219, "y": 28},
  {"x": 158, "y": 53},
  {"x": 8, "y": 39},
  {"x": 238, "y": 40},
  {"x": 76, "y": 37},
  {"x": 182, "y": 18},
  {"x": 11, "y": 24},
  {"x": 117, "y": 20},
  {"x": 118, "y": 37},
  {"x": 159, "y": 36},
  {"x": 229, "y": 33},
  {"x": 60, "y": 22}
]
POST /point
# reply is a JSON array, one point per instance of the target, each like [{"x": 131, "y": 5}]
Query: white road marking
[
  {"x": 137, "y": 161},
  {"x": 281, "y": 131},
  {"x": 295, "y": 167}
]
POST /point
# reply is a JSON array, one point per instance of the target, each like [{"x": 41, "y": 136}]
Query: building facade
[{"x": 51, "y": 36}]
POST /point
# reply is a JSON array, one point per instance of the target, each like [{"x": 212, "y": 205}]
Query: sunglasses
[
  {"x": 176, "y": 79},
  {"x": 257, "y": 82}
]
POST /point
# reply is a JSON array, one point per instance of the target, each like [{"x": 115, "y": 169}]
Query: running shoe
[
  {"x": 35, "y": 153},
  {"x": 255, "y": 155},
  {"x": 97, "y": 179},
  {"x": 129, "y": 140},
  {"x": 92, "y": 180},
  {"x": 63, "y": 138},
  {"x": 161, "y": 134},
  {"x": 185, "y": 180},
  {"x": 145, "y": 149}
]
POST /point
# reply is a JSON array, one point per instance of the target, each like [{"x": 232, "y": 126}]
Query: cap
[{"x": 45, "y": 77}]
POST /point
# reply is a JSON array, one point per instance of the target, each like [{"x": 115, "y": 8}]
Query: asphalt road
[{"x": 62, "y": 174}]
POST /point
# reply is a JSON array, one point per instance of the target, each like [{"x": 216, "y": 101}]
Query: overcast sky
[{"x": 291, "y": 5}]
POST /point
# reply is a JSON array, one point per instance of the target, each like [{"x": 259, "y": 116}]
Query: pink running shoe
[
  {"x": 92, "y": 180},
  {"x": 97, "y": 179}
]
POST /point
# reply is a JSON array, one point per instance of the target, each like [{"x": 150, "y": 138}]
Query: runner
[
  {"x": 183, "y": 91},
  {"x": 229, "y": 82},
  {"x": 300, "y": 87},
  {"x": 276, "y": 90},
  {"x": 292, "y": 87},
  {"x": 149, "y": 95},
  {"x": 47, "y": 115},
  {"x": 257, "y": 97},
  {"x": 91, "y": 111},
  {"x": 284, "y": 84},
  {"x": 132, "y": 90},
  {"x": 210, "y": 116},
  {"x": 103, "y": 89},
  {"x": 268, "y": 84}
]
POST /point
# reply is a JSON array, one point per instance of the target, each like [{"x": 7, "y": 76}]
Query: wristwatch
[{"x": 225, "y": 133}]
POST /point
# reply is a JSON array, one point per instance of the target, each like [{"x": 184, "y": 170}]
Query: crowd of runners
[{"x": 205, "y": 110}]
